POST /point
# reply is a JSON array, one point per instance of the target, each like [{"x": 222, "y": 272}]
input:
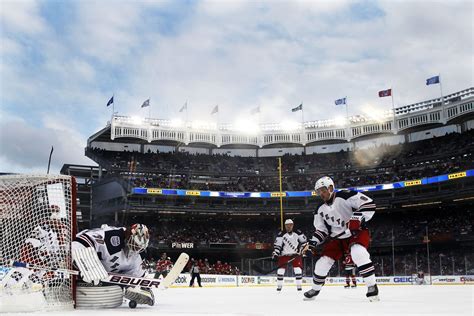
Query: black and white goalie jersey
[
  {"x": 288, "y": 244},
  {"x": 110, "y": 244}
]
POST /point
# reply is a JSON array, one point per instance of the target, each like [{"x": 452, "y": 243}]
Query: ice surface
[{"x": 333, "y": 300}]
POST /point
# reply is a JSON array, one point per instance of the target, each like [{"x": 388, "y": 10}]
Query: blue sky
[{"x": 62, "y": 60}]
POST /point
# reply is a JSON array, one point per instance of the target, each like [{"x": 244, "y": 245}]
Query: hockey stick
[
  {"x": 260, "y": 270},
  {"x": 120, "y": 279}
]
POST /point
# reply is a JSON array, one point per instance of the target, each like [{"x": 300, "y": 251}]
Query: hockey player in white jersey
[
  {"x": 119, "y": 250},
  {"x": 339, "y": 223},
  {"x": 288, "y": 246}
]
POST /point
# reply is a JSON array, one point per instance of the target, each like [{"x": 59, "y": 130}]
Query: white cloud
[
  {"x": 26, "y": 148},
  {"x": 21, "y": 16},
  {"x": 237, "y": 54}
]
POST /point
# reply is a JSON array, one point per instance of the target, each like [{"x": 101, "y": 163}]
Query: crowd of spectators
[
  {"x": 442, "y": 262},
  {"x": 401, "y": 226},
  {"x": 219, "y": 172},
  {"x": 205, "y": 265}
]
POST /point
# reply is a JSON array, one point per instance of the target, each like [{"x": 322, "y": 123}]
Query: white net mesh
[{"x": 37, "y": 226}]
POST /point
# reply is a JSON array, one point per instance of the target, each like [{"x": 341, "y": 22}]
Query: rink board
[{"x": 213, "y": 280}]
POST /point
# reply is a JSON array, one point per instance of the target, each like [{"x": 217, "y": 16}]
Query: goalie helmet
[
  {"x": 324, "y": 182},
  {"x": 139, "y": 238}
]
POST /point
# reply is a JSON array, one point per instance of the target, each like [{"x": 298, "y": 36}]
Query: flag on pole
[
  {"x": 432, "y": 80},
  {"x": 298, "y": 108},
  {"x": 385, "y": 93},
  {"x": 255, "y": 111},
  {"x": 184, "y": 107},
  {"x": 340, "y": 101},
  {"x": 146, "y": 103},
  {"x": 110, "y": 101},
  {"x": 215, "y": 110}
]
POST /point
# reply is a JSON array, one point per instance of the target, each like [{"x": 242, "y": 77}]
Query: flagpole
[
  {"x": 393, "y": 109},
  {"x": 149, "y": 108},
  {"x": 113, "y": 107},
  {"x": 442, "y": 98},
  {"x": 347, "y": 110},
  {"x": 302, "y": 116},
  {"x": 186, "y": 112},
  {"x": 49, "y": 160}
]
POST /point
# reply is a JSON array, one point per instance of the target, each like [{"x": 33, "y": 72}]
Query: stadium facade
[{"x": 138, "y": 178}]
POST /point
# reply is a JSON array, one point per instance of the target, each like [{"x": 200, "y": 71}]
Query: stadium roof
[{"x": 454, "y": 108}]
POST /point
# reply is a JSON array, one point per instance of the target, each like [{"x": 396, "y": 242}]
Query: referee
[{"x": 195, "y": 273}]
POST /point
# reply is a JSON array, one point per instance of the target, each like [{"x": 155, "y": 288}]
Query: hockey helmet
[
  {"x": 139, "y": 238},
  {"x": 324, "y": 182}
]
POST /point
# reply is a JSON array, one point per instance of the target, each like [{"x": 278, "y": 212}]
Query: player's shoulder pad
[
  {"x": 346, "y": 194},
  {"x": 280, "y": 233},
  {"x": 114, "y": 240}
]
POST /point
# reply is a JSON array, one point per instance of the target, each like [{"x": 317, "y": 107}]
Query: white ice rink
[{"x": 333, "y": 300}]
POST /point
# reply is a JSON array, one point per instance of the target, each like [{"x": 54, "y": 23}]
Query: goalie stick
[{"x": 121, "y": 279}]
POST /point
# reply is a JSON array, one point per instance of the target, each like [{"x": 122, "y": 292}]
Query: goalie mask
[{"x": 139, "y": 238}]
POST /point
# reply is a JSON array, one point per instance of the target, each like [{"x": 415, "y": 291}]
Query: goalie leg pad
[
  {"x": 140, "y": 295},
  {"x": 102, "y": 296}
]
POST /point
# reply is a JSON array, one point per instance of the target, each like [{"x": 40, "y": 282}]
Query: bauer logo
[
  {"x": 134, "y": 281},
  {"x": 115, "y": 241}
]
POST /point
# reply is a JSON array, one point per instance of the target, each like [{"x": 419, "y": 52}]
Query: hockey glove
[
  {"x": 356, "y": 224},
  {"x": 275, "y": 256}
]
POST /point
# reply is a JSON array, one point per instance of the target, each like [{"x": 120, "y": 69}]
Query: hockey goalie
[{"x": 98, "y": 252}]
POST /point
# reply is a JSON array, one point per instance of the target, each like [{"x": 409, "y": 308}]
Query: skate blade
[
  {"x": 374, "y": 298},
  {"x": 309, "y": 298}
]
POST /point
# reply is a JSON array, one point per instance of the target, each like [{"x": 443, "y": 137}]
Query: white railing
[{"x": 406, "y": 117}]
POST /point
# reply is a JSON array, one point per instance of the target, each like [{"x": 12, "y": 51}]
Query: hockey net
[{"x": 37, "y": 226}]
